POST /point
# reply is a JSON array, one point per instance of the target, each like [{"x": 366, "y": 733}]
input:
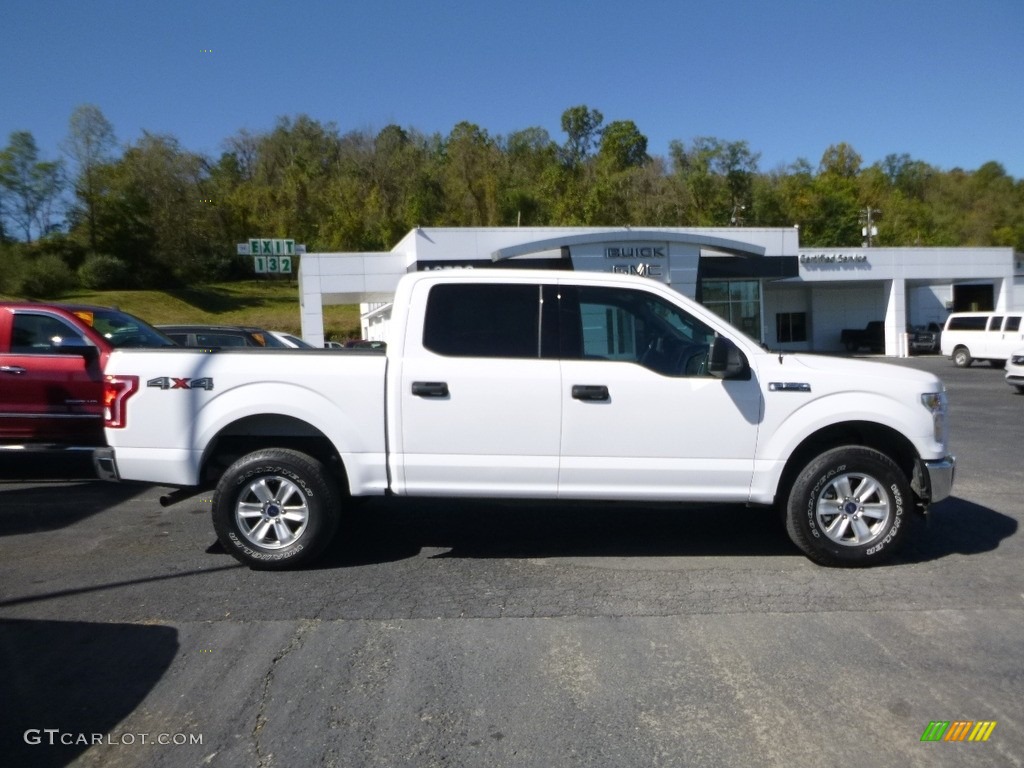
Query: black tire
[
  {"x": 275, "y": 509},
  {"x": 962, "y": 357},
  {"x": 850, "y": 506}
]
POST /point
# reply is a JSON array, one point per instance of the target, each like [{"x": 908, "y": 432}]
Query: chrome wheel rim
[
  {"x": 853, "y": 509},
  {"x": 272, "y": 512}
]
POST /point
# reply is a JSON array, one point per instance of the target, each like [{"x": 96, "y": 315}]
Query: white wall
[
  {"x": 928, "y": 304},
  {"x": 791, "y": 298},
  {"x": 834, "y": 308}
]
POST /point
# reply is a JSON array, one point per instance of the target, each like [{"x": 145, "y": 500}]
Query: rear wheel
[
  {"x": 275, "y": 509},
  {"x": 962, "y": 357},
  {"x": 849, "y": 506}
]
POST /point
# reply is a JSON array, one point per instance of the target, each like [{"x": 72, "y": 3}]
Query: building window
[
  {"x": 790, "y": 326},
  {"x": 738, "y": 301}
]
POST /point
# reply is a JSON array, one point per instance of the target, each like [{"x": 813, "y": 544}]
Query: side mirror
[{"x": 726, "y": 361}]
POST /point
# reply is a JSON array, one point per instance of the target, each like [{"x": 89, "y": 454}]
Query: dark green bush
[
  {"x": 103, "y": 272},
  {"x": 47, "y": 277}
]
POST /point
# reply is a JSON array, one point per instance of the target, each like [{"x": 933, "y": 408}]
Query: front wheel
[
  {"x": 850, "y": 506},
  {"x": 275, "y": 508},
  {"x": 962, "y": 357}
]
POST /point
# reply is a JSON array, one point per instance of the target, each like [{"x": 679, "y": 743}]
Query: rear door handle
[
  {"x": 590, "y": 392},
  {"x": 430, "y": 388},
  {"x": 17, "y": 370}
]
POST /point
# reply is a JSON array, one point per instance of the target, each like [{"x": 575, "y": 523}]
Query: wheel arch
[
  {"x": 867, "y": 434},
  {"x": 270, "y": 430}
]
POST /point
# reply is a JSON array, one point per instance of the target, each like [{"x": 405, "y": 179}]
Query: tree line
[{"x": 152, "y": 213}]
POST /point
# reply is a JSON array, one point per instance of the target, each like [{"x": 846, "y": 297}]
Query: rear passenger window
[
  {"x": 219, "y": 340},
  {"x": 483, "y": 320},
  {"x": 995, "y": 322}
]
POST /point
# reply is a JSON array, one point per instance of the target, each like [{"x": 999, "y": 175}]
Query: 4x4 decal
[{"x": 171, "y": 382}]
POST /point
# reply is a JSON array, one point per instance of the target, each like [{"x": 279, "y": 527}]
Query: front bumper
[{"x": 934, "y": 479}]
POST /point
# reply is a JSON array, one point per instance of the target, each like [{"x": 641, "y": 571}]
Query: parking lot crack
[{"x": 297, "y": 640}]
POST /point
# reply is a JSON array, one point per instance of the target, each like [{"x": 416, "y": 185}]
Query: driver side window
[
  {"x": 638, "y": 327},
  {"x": 33, "y": 334}
]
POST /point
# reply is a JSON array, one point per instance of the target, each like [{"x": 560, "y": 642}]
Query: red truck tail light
[{"x": 116, "y": 391}]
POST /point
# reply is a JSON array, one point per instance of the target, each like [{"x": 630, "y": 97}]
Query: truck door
[
  {"x": 479, "y": 402},
  {"x": 49, "y": 395},
  {"x": 641, "y": 418}
]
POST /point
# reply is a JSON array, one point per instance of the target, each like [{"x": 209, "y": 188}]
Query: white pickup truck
[{"x": 533, "y": 384}]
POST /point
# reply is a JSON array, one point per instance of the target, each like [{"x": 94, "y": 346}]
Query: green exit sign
[{"x": 261, "y": 246}]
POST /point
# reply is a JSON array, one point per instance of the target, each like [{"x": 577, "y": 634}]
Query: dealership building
[{"x": 761, "y": 280}]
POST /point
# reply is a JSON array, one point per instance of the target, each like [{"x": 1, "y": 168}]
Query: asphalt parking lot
[{"x": 474, "y": 633}]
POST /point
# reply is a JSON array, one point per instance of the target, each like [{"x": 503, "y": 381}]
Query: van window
[
  {"x": 967, "y": 323},
  {"x": 1012, "y": 323},
  {"x": 994, "y": 322}
]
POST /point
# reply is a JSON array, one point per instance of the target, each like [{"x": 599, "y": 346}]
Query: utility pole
[{"x": 868, "y": 229}]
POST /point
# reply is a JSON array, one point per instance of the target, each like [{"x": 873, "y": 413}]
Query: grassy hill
[{"x": 273, "y": 305}]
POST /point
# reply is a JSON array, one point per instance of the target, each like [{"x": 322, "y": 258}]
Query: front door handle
[
  {"x": 590, "y": 392},
  {"x": 16, "y": 370},
  {"x": 430, "y": 388}
]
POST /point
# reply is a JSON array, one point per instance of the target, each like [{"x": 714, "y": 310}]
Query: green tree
[
  {"x": 90, "y": 144},
  {"x": 622, "y": 146},
  {"x": 834, "y": 219},
  {"x": 582, "y": 126},
  {"x": 530, "y": 160},
  {"x": 471, "y": 163},
  {"x": 718, "y": 176},
  {"x": 163, "y": 227},
  {"x": 615, "y": 179},
  {"x": 31, "y": 186}
]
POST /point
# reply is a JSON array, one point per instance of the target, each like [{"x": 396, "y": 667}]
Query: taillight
[{"x": 116, "y": 391}]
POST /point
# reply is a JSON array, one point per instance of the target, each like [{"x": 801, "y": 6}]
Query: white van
[{"x": 992, "y": 336}]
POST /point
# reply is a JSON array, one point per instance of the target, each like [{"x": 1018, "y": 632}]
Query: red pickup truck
[{"x": 51, "y": 371}]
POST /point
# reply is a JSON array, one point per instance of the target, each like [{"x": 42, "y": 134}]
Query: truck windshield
[{"x": 122, "y": 329}]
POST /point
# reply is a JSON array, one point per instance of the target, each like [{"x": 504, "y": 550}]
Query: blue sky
[{"x": 941, "y": 81}]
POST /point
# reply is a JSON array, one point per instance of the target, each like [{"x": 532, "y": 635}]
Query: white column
[
  {"x": 896, "y": 319},
  {"x": 311, "y": 300}
]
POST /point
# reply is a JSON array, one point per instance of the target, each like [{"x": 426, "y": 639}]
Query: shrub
[
  {"x": 102, "y": 272},
  {"x": 46, "y": 277}
]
